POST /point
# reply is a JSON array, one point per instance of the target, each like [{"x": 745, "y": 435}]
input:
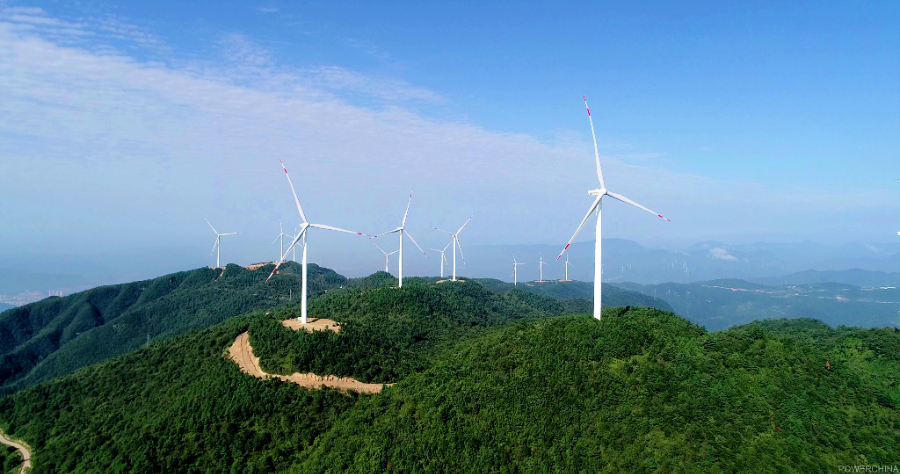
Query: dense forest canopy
[
  {"x": 55, "y": 336},
  {"x": 484, "y": 383}
]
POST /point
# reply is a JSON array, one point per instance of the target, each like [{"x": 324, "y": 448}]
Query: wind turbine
[
  {"x": 541, "y": 268},
  {"x": 402, "y": 230},
  {"x": 216, "y": 246},
  {"x": 443, "y": 257},
  {"x": 281, "y": 236},
  {"x": 567, "y": 268},
  {"x": 386, "y": 256},
  {"x": 598, "y": 205},
  {"x": 304, "y": 227},
  {"x": 456, "y": 241},
  {"x": 516, "y": 271}
]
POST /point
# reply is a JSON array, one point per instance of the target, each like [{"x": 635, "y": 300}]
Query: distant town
[{"x": 27, "y": 297}]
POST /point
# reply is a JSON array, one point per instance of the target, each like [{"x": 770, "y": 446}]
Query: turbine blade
[
  {"x": 407, "y": 209},
  {"x": 629, "y": 201},
  {"x": 228, "y": 233},
  {"x": 297, "y": 201},
  {"x": 398, "y": 229},
  {"x": 586, "y": 216},
  {"x": 464, "y": 224},
  {"x": 414, "y": 241},
  {"x": 214, "y": 245},
  {"x": 446, "y": 246},
  {"x": 395, "y": 251},
  {"x": 286, "y": 252},
  {"x": 444, "y": 231},
  {"x": 460, "y": 251},
  {"x": 276, "y": 238},
  {"x": 379, "y": 248},
  {"x": 596, "y": 153},
  {"x": 328, "y": 227},
  {"x": 213, "y": 228}
]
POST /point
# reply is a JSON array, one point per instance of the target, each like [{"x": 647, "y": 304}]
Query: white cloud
[
  {"x": 92, "y": 138},
  {"x": 722, "y": 254}
]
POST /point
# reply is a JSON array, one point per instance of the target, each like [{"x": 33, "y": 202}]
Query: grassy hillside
[
  {"x": 720, "y": 304},
  {"x": 499, "y": 386},
  {"x": 55, "y": 336}
]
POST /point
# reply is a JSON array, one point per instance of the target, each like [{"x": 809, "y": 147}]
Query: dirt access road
[
  {"x": 242, "y": 354},
  {"x": 22, "y": 447}
]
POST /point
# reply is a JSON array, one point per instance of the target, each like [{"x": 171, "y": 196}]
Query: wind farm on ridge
[{"x": 401, "y": 231}]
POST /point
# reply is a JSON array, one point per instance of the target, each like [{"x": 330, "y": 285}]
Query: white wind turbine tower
[
  {"x": 443, "y": 257},
  {"x": 516, "y": 271},
  {"x": 541, "y": 268},
  {"x": 386, "y": 256},
  {"x": 217, "y": 247},
  {"x": 402, "y": 230},
  {"x": 567, "y": 268},
  {"x": 281, "y": 236},
  {"x": 598, "y": 205},
  {"x": 456, "y": 242},
  {"x": 304, "y": 227}
]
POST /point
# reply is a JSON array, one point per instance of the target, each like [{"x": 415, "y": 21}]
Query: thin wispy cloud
[{"x": 124, "y": 143}]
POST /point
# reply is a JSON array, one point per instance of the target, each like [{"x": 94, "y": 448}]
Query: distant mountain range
[
  {"x": 720, "y": 304},
  {"x": 854, "y": 276},
  {"x": 624, "y": 260},
  {"x": 628, "y": 261}
]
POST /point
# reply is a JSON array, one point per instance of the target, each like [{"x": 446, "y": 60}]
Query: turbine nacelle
[{"x": 598, "y": 192}]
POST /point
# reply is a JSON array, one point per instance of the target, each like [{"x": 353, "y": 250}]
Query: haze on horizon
[{"x": 123, "y": 127}]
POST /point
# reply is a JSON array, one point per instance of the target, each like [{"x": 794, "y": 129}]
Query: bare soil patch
[
  {"x": 257, "y": 265},
  {"x": 242, "y": 354},
  {"x": 444, "y": 281},
  {"x": 312, "y": 324},
  {"x": 23, "y": 449}
]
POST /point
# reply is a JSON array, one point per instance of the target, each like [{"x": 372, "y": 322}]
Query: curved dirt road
[
  {"x": 242, "y": 354},
  {"x": 24, "y": 449}
]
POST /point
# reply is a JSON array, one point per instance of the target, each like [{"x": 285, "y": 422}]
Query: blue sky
[{"x": 125, "y": 125}]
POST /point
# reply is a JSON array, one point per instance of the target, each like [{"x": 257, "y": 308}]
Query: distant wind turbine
[
  {"x": 567, "y": 268},
  {"x": 516, "y": 271},
  {"x": 443, "y": 257},
  {"x": 281, "y": 236},
  {"x": 455, "y": 240},
  {"x": 386, "y": 256},
  {"x": 217, "y": 247},
  {"x": 597, "y": 206},
  {"x": 304, "y": 227},
  {"x": 541, "y": 268},
  {"x": 402, "y": 230}
]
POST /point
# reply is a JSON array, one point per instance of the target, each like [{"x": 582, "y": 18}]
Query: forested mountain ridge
[
  {"x": 719, "y": 304},
  {"x": 639, "y": 390},
  {"x": 55, "y": 336},
  {"x": 388, "y": 333},
  {"x": 612, "y": 294}
]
